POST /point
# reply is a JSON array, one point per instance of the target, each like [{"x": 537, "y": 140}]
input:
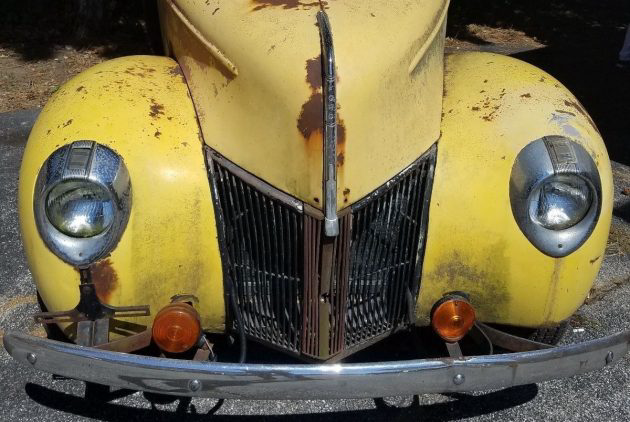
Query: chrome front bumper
[{"x": 244, "y": 381}]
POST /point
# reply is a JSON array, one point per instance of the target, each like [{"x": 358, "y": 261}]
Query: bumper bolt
[
  {"x": 194, "y": 385},
  {"x": 609, "y": 358},
  {"x": 459, "y": 379},
  {"x": 31, "y": 358}
]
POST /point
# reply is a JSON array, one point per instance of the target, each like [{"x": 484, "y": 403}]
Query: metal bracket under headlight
[
  {"x": 82, "y": 201},
  {"x": 555, "y": 193}
]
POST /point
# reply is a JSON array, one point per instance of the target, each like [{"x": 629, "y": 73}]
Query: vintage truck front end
[{"x": 315, "y": 177}]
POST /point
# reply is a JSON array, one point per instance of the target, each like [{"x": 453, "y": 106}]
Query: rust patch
[
  {"x": 311, "y": 117},
  {"x": 311, "y": 120},
  {"x": 104, "y": 278},
  {"x": 346, "y": 193},
  {"x": 341, "y": 157},
  {"x": 177, "y": 71},
  {"x": 287, "y": 4},
  {"x": 576, "y": 105},
  {"x": 314, "y": 72},
  {"x": 156, "y": 109},
  {"x": 341, "y": 132},
  {"x": 489, "y": 117},
  {"x": 140, "y": 71},
  {"x": 130, "y": 71}
]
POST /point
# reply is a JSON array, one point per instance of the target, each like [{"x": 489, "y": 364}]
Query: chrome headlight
[
  {"x": 555, "y": 193},
  {"x": 82, "y": 201}
]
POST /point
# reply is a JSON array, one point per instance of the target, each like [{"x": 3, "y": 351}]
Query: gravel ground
[{"x": 605, "y": 395}]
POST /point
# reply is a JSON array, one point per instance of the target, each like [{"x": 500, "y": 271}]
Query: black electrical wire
[{"x": 239, "y": 321}]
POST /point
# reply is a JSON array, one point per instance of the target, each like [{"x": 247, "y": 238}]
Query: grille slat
[{"x": 272, "y": 252}]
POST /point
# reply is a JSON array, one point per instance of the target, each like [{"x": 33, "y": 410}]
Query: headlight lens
[
  {"x": 80, "y": 208},
  {"x": 561, "y": 202}
]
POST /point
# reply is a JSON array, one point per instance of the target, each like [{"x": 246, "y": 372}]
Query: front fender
[
  {"x": 139, "y": 107},
  {"x": 493, "y": 107}
]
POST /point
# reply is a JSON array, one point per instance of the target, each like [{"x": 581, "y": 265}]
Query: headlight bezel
[
  {"x": 91, "y": 162},
  {"x": 540, "y": 162}
]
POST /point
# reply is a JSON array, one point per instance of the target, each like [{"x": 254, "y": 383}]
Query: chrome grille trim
[{"x": 306, "y": 293}]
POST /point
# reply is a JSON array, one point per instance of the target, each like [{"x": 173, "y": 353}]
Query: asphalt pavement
[{"x": 29, "y": 395}]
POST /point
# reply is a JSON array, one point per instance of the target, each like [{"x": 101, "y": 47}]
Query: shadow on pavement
[
  {"x": 582, "y": 38},
  {"x": 461, "y": 406},
  {"x": 35, "y": 29}
]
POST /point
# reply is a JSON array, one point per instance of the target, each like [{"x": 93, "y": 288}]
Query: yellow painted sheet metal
[
  {"x": 140, "y": 107},
  {"x": 493, "y": 107},
  {"x": 255, "y": 75}
]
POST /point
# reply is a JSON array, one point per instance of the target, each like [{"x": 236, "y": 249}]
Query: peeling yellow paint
[
  {"x": 389, "y": 90},
  {"x": 495, "y": 105},
  {"x": 170, "y": 244}
]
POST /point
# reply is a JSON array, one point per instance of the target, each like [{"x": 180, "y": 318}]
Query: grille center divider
[{"x": 314, "y": 296}]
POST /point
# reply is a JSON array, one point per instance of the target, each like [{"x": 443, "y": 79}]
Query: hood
[{"x": 254, "y": 72}]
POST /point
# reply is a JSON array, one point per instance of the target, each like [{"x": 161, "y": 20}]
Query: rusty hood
[{"x": 254, "y": 72}]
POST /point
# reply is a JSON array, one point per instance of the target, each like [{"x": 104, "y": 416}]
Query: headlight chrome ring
[
  {"x": 555, "y": 193},
  {"x": 82, "y": 201}
]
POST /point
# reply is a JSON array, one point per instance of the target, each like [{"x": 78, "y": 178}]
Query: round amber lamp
[
  {"x": 176, "y": 328},
  {"x": 452, "y": 319}
]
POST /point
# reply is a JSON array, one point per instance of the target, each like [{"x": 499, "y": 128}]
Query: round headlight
[
  {"x": 82, "y": 201},
  {"x": 556, "y": 194},
  {"x": 560, "y": 202},
  {"x": 80, "y": 208}
]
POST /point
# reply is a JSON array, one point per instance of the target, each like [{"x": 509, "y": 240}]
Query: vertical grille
[
  {"x": 262, "y": 240},
  {"x": 386, "y": 232},
  {"x": 310, "y": 319},
  {"x": 312, "y": 295}
]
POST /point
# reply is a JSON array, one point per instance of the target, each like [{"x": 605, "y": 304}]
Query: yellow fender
[
  {"x": 493, "y": 107},
  {"x": 139, "y": 107}
]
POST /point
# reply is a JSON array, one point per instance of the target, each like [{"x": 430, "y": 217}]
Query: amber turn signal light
[
  {"x": 176, "y": 328},
  {"x": 453, "y": 318}
]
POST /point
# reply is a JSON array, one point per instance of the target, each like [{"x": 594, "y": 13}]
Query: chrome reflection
[
  {"x": 80, "y": 208},
  {"x": 561, "y": 203},
  {"x": 315, "y": 381}
]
